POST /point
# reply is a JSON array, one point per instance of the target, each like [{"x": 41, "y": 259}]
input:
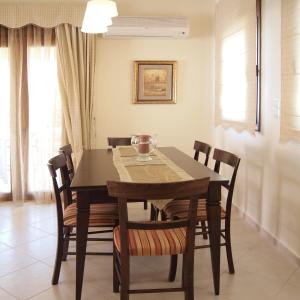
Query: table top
[{"x": 96, "y": 167}]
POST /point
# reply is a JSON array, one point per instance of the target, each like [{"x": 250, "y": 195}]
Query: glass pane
[
  {"x": 5, "y": 186},
  {"x": 45, "y": 118}
]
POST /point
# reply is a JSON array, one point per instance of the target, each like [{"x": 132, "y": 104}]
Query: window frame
[{"x": 258, "y": 65}]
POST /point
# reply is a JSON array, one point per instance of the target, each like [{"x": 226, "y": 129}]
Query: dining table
[{"x": 96, "y": 167}]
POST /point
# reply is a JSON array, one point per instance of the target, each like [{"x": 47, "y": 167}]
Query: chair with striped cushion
[
  {"x": 155, "y": 238},
  {"x": 101, "y": 215},
  {"x": 199, "y": 147},
  {"x": 177, "y": 210}
]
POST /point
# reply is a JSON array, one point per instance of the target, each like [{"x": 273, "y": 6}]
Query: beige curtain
[
  {"x": 235, "y": 73},
  {"x": 76, "y": 68},
  {"x": 17, "y": 43},
  {"x": 22, "y": 44},
  {"x": 290, "y": 70}
]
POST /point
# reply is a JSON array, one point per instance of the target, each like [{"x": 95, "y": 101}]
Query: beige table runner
[{"x": 158, "y": 170}]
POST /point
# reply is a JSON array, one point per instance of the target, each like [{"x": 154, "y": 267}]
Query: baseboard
[{"x": 271, "y": 239}]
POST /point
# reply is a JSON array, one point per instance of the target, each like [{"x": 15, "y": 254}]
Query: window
[
  {"x": 238, "y": 64},
  {"x": 290, "y": 71}
]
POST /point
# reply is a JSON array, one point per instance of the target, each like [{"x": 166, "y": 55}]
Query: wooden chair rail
[
  {"x": 118, "y": 141},
  {"x": 157, "y": 225}
]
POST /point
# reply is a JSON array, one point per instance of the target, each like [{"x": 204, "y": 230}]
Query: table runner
[{"x": 158, "y": 170}]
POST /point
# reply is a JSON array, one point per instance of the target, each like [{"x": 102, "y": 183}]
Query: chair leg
[
  {"x": 116, "y": 283},
  {"x": 58, "y": 259},
  {"x": 124, "y": 278},
  {"x": 229, "y": 249},
  {"x": 145, "y": 205},
  {"x": 173, "y": 268},
  {"x": 188, "y": 277},
  {"x": 67, "y": 231},
  {"x": 163, "y": 215},
  {"x": 204, "y": 231},
  {"x": 153, "y": 213}
]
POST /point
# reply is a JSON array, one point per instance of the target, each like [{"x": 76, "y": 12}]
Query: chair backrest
[
  {"x": 67, "y": 151},
  {"x": 118, "y": 141},
  {"x": 192, "y": 190},
  {"x": 230, "y": 159},
  {"x": 56, "y": 165},
  {"x": 203, "y": 148}
]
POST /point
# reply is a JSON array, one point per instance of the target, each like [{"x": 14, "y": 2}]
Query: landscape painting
[{"x": 154, "y": 82}]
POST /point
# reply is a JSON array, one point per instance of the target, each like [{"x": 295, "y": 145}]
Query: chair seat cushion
[
  {"x": 100, "y": 214},
  {"x": 153, "y": 242},
  {"x": 179, "y": 209}
]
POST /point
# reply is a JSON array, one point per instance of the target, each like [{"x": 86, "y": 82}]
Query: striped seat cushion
[
  {"x": 100, "y": 214},
  {"x": 153, "y": 242},
  {"x": 179, "y": 209}
]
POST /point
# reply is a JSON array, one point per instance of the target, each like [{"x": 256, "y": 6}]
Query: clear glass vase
[{"x": 144, "y": 145}]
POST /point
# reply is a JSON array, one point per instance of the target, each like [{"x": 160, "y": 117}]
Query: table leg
[
  {"x": 214, "y": 226},
  {"x": 83, "y": 212}
]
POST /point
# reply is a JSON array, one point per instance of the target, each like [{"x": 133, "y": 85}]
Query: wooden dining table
[{"x": 96, "y": 167}]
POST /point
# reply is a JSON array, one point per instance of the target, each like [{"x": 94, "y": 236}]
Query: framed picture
[{"x": 154, "y": 82}]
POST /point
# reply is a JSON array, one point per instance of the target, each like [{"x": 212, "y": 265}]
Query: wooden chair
[
  {"x": 118, "y": 141},
  {"x": 176, "y": 210},
  {"x": 68, "y": 151},
  {"x": 203, "y": 148},
  {"x": 122, "y": 141},
  {"x": 198, "y": 147},
  {"x": 179, "y": 235},
  {"x": 101, "y": 215}
]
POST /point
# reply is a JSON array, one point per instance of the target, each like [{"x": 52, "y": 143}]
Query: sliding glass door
[{"x": 45, "y": 118}]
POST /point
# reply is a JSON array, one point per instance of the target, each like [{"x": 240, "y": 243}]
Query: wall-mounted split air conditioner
[{"x": 148, "y": 27}]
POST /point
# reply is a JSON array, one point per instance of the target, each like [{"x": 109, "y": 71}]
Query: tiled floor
[{"x": 27, "y": 249}]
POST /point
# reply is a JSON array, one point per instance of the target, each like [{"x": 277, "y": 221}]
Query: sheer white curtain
[
  {"x": 5, "y": 185},
  {"x": 235, "y": 64},
  {"x": 290, "y": 71},
  {"x": 45, "y": 118}
]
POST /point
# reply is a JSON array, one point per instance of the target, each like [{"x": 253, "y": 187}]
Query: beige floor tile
[
  {"x": 244, "y": 285},
  {"x": 28, "y": 281},
  {"x": 4, "y": 247},
  {"x": 12, "y": 260},
  {"x": 262, "y": 272},
  {"x": 49, "y": 225},
  {"x": 5, "y": 296},
  {"x": 267, "y": 260},
  {"x": 295, "y": 278},
  {"x": 66, "y": 291},
  {"x": 21, "y": 235},
  {"x": 41, "y": 248},
  {"x": 289, "y": 292}
]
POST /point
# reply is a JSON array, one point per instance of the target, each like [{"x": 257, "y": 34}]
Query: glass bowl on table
[{"x": 144, "y": 144}]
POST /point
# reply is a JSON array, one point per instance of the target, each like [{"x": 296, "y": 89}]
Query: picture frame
[{"x": 154, "y": 82}]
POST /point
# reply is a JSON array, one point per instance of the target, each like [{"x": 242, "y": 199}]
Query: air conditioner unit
[{"x": 148, "y": 27}]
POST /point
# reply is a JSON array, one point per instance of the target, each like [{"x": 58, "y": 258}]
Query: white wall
[
  {"x": 268, "y": 187},
  {"x": 176, "y": 124}
]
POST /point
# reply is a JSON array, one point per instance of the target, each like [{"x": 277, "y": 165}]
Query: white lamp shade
[{"x": 98, "y": 16}]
